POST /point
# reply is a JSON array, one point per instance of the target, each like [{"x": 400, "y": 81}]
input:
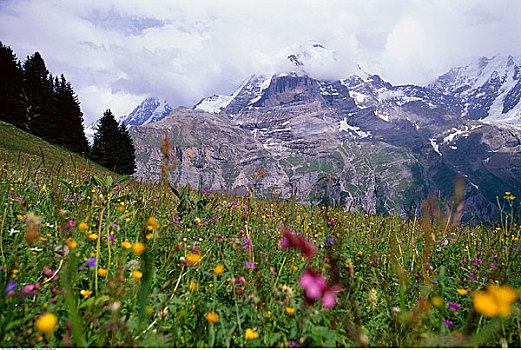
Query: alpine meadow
[{"x": 299, "y": 201}]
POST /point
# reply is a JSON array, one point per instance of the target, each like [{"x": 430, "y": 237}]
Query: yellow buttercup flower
[
  {"x": 126, "y": 245},
  {"x": 136, "y": 274},
  {"x": 138, "y": 248},
  {"x": 93, "y": 236},
  {"x": 290, "y": 310},
  {"x": 193, "y": 259},
  {"x": 462, "y": 291},
  {"x": 249, "y": 334},
  {"x": 102, "y": 272},
  {"x": 212, "y": 317},
  {"x": 83, "y": 226},
  {"x": 86, "y": 293},
  {"x": 218, "y": 270},
  {"x": 46, "y": 323}
]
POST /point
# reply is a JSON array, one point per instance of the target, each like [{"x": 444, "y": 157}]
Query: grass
[{"x": 213, "y": 272}]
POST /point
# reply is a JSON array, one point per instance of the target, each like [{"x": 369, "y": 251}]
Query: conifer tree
[
  {"x": 69, "y": 117},
  {"x": 113, "y": 147},
  {"x": 38, "y": 86},
  {"x": 11, "y": 103}
]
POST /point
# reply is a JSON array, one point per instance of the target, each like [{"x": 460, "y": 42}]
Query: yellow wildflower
[
  {"x": 149, "y": 236},
  {"x": 192, "y": 258},
  {"x": 93, "y": 236},
  {"x": 193, "y": 286},
  {"x": 290, "y": 310},
  {"x": 497, "y": 300},
  {"x": 126, "y": 245},
  {"x": 136, "y": 274},
  {"x": 83, "y": 226},
  {"x": 485, "y": 304},
  {"x": 86, "y": 293},
  {"x": 249, "y": 334},
  {"x": 138, "y": 248},
  {"x": 102, "y": 272},
  {"x": 437, "y": 301},
  {"x": 462, "y": 291},
  {"x": 152, "y": 223},
  {"x": 71, "y": 244},
  {"x": 212, "y": 317},
  {"x": 46, "y": 323},
  {"x": 218, "y": 270}
]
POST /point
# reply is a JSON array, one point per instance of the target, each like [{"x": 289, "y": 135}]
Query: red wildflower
[
  {"x": 315, "y": 288},
  {"x": 293, "y": 240}
]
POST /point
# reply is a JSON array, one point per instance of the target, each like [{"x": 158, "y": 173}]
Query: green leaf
[
  {"x": 98, "y": 181},
  {"x": 122, "y": 179}
]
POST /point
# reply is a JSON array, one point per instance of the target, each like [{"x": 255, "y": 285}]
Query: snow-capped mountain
[
  {"x": 148, "y": 111},
  {"x": 387, "y": 146},
  {"x": 488, "y": 89}
]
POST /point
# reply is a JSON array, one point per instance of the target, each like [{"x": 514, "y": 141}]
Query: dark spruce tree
[
  {"x": 38, "y": 86},
  {"x": 69, "y": 117},
  {"x": 112, "y": 146},
  {"x": 11, "y": 92}
]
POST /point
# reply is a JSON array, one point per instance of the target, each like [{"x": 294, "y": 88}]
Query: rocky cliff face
[{"x": 386, "y": 147}]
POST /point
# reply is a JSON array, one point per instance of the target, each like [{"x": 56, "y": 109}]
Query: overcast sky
[{"x": 118, "y": 52}]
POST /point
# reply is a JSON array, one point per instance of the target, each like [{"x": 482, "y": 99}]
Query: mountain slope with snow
[{"x": 488, "y": 89}]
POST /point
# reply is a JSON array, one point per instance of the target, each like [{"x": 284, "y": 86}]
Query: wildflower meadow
[{"x": 93, "y": 259}]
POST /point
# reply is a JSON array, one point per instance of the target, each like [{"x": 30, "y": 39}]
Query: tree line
[{"x": 34, "y": 100}]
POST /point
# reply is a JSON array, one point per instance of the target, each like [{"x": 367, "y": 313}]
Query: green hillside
[{"x": 91, "y": 259}]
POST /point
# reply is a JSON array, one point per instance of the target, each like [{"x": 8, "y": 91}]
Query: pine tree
[
  {"x": 38, "y": 86},
  {"x": 11, "y": 74},
  {"x": 69, "y": 117},
  {"x": 113, "y": 147},
  {"x": 127, "y": 164}
]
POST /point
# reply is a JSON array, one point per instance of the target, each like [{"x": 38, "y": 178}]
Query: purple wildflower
[
  {"x": 249, "y": 265},
  {"x": 448, "y": 323},
  {"x": 111, "y": 237},
  {"x": 11, "y": 285},
  {"x": 90, "y": 263},
  {"x": 454, "y": 306}
]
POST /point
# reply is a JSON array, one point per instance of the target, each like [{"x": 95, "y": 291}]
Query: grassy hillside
[
  {"x": 92, "y": 260},
  {"x": 17, "y": 146}
]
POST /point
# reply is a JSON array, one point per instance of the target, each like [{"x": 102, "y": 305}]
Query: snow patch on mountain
[
  {"x": 216, "y": 103},
  {"x": 435, "y": 146},
  {"x": 344, "y": 126},
  {"x": 449, "y": 138}
]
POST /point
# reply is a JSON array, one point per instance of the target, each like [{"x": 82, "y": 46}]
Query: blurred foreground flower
[
  {"x": 315, "y": 288},
  {"x": 138, "y": 248},
  {"x": 497, "y": 300},
  {"x": 46, "y": 323}
]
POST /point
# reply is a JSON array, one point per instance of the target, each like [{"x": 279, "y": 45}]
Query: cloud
[{"x": 117, "y": 52}]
